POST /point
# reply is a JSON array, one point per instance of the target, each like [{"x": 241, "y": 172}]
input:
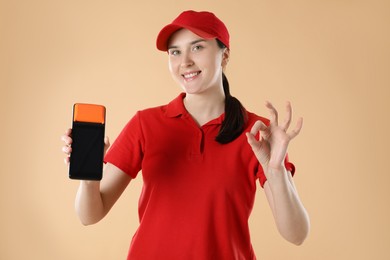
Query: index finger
[{"x": 258, "y": 126}]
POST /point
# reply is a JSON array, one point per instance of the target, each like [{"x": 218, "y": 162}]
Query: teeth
[{"x": 190, "y": 75}]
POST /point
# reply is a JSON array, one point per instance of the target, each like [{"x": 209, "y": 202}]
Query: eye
[
  {"x": 174, "y": 52},
  {"x": 197, "y": 48}
]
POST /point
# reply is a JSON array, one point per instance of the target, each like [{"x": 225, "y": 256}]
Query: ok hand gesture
[{"x": 271, "y": 147}]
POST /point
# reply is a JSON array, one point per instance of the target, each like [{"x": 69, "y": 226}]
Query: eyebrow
[{"x": 191, "y": 43}]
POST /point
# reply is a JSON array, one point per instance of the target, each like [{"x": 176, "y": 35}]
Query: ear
[{"x": 225, "y": 57}]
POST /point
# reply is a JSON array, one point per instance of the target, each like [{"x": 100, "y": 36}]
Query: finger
[
  {"x": 258, "y": 126},
  {"x": 297, "y": 128},
  {"x": 287, "y": 120},
  {"x": 273, "y": 113},
  {"x": 67, "y": 140},
  {"x": 68, "y": 132},
  {"x": 106, "y": 143},
  {"x": 66, "y": 160},
  {"x": 67, "y": 137},
  {"x": 253, "y": 142},
  {"x": 67, "y": 150},
  {"x": 251, "y": 139}
]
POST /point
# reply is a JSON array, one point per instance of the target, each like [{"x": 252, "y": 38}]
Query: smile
[{"x": 191, "y": 75}]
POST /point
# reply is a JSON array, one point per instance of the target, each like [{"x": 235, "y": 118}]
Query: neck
[{"x": 205, "y": 106}]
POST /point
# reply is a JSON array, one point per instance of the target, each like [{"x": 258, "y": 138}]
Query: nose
[{"x": 186, "y": 60}]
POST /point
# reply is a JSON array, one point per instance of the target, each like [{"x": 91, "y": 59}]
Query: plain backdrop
[{"x": 331, "y": 59}]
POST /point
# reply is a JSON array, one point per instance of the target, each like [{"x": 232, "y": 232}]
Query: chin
[{"x": 191, "y": 90}]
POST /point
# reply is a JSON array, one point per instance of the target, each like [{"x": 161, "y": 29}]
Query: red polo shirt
[{"x": 197, "y": 194}]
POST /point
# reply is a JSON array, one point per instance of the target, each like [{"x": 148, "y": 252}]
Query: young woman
[{"x": 201, "y": 156}]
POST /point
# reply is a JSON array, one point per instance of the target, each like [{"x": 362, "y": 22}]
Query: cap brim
[{"x": 167, "y": 31}]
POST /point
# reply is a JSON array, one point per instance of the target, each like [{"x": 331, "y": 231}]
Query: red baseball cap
[{"x": 204, "y": 24}]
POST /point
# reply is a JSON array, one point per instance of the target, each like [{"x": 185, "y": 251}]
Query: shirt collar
[{"x": 176, "y": 108}]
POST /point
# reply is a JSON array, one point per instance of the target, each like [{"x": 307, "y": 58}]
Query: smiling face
[{"x": 195, "y": 63}]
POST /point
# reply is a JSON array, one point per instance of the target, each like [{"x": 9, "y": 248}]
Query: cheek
[
  {"x": 173, "y": 70},
  {"x": 170, "y": 66},
  {"x": 216, "y": 65},
  {"x": 173, "y": 65},
  {"x": 216, "y": 60},
  {"x": 219, "y": 61}
]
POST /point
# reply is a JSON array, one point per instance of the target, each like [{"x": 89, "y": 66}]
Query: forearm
[
  {"x": 290, "y": 215},
  {"x": 89, "y": 203},
  {"x": 95, "y": 198}
]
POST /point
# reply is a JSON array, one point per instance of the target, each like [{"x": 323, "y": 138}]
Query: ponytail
[{"x": 235, "y": 116}]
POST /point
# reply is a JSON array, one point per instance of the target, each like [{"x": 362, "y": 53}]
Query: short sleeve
[
  {"x": 127, "y": 151},
  {"x": 289, "y": 167}
]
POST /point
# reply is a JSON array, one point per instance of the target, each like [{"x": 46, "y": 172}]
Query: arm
[
  {"x": 94, "y": 199},
  {"x": 290, "y": 216}
]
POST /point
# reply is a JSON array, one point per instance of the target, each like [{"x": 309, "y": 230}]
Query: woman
[{"x": 201, "y": 156}]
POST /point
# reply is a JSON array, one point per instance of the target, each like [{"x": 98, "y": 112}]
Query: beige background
[{"x": 330, "y": 58}]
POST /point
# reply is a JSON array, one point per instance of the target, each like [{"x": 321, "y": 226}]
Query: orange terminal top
[{"x": 89, "y": 113}]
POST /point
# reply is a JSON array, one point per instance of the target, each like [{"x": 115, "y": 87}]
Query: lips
[{"x": 190, "y": 75}]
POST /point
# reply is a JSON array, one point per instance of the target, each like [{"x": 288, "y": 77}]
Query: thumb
[{"x": 106, "y": 143}]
